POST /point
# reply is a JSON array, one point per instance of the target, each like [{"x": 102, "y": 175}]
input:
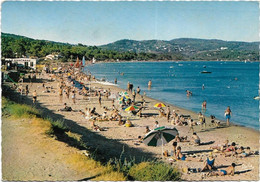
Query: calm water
[{"x": 231, "y": 84}]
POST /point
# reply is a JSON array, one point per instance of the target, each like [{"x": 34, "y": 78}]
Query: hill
[
  {"x": 191, "y": 48},
  {"x": 176, "y": 49}
]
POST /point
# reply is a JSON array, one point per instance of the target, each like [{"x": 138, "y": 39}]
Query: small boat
[
  {"x": 171, "y": 66},
  {"x": 205, "y": 72},
  {"x": 257, "y": 97},
  {"x": 93, "y": 60}
]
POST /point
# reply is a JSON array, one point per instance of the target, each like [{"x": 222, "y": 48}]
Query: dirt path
[{"x": 30, "y": 155}]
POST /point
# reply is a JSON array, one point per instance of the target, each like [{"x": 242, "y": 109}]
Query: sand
[{"x": 117, "y": 138}]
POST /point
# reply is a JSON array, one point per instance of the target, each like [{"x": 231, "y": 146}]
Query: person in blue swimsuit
[
  {"x": 230, "y": 170},
  {"x": 228, "y": 114},
  {"x": 209, "y": 163}
]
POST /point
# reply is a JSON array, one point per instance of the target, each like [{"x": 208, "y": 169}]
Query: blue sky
[{"x": 96, "y": 23}]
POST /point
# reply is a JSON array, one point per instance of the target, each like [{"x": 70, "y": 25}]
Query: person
[
  {"x": 156, "y": 124},
  {"x": 128, "y": 86},
  {"x": 34, "y": 96},
  {"x": 60, "y": 93},
  {"x": 134, "y": 94},
  {"x": 66, "y": 108},
  {"x": 168, "y": 113},
  {"x": 202, "y": 120},
  {"x": 147, "y": 129},
  {"x": 179, "y": 155},
  {"x": 190, "y": 124},
  {"x": 26, "y": 90},
  {"x": 228, "y": 114},
  {"x": 174, "y": 147},
  {"x": 203, "y": 106},
  {"x": 138, "y": 90},
  {"x": 149, "y": 84},
  {"x": 115, "y": 80},
  {"x": 196, "y": 139},
  {"x": 209, "y": 163},
  {"x": 99, "y": 98},
  {"x": 73, "y": 97},
  {"x": 230, "y": 170},
  {"x": 128, "y": 123},
  {"x": 203, "y": 86}
]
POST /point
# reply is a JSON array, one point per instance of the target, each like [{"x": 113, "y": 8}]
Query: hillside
[
  {"x": 176, "y": 49},
  {"x": 190, "y": 48}
]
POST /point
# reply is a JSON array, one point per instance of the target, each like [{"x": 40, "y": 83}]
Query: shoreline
[
  {"x": 186, "y": 110},
  {"x": 173, "y": 105}
]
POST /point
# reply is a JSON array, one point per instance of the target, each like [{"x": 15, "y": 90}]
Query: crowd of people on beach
[{"x": 72, "y": 82}]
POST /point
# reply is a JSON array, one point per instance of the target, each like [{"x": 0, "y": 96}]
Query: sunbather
[
  {"x": 228, "y": 171},
  {"x": 209, "y": 163}
]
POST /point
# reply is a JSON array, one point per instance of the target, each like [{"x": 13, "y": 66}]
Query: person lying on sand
[
  {"x": 245, "y": 153},
  {"x": 228, "y": 171},
  {"x": 96, "y": 127},
  {"x": 230, "y": 149},
  {"x": 180, "y": 139},
  {"x": 221, "y": 147},
  {"x": 66, "y": 108},
  {"x": 181, "y": 156}
]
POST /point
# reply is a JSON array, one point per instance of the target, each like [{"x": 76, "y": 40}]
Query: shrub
[
  {"x": 154, "y": 171},
  {"x": 58, "y": 126},
  {"x": 18, "y": 110}
]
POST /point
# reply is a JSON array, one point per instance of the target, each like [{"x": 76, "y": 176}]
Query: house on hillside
[{"x": 53, "y": 56}]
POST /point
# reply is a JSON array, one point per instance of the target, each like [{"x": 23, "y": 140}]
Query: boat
[
  {"x": 205, "y": 72},
  {"x": 257, "y": 97},
  {"x": 93, "y": 60}
]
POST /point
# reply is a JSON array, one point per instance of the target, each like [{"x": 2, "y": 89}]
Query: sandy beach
[{"x": 116, "y": 139}]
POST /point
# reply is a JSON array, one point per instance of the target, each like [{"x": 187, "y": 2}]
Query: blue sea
[{"x": 233, "y": 84}]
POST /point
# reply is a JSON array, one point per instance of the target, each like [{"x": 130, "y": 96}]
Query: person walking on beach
[
  {"x": 168, "y": 113},
  {"x": 202, "y": 120},
  {"x": 228, "y": 114},
  {"x": 26, "y": 90},
  {"x": 60, "y": 93},
  {"x": 34, "y": 96},
  {"x": 99, "y": 98},
  {"x": 73, "y": 97}
]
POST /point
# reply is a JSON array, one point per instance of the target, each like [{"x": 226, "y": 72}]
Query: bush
[
  {"x": 58, "y": 126},
  {"x": 154, "y": 171},
  {"x": 18, "y": 110}
]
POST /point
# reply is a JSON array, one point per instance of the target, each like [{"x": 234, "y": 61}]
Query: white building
[{"x": 26, "y": 62}]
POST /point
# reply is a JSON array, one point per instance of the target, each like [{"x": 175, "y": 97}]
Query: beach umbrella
[
  {"x": 123, "y": 93},
  {"x": 123, "y": 98},
  {"x": 160, "y": 136},
  {"x": 131, "y": 108},
  {"x": 159, "y": 105}
]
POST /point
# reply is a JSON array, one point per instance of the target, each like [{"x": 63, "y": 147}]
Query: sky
[{"x": 98, "y": 23}]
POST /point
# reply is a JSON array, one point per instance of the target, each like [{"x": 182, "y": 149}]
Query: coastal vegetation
[{"x": 176, "y": 49}]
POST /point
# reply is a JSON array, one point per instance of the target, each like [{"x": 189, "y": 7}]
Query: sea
[{"x": 230, "y": 83}]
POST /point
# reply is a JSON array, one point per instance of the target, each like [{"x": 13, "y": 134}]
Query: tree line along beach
[{"x": 113, "y": 132}]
